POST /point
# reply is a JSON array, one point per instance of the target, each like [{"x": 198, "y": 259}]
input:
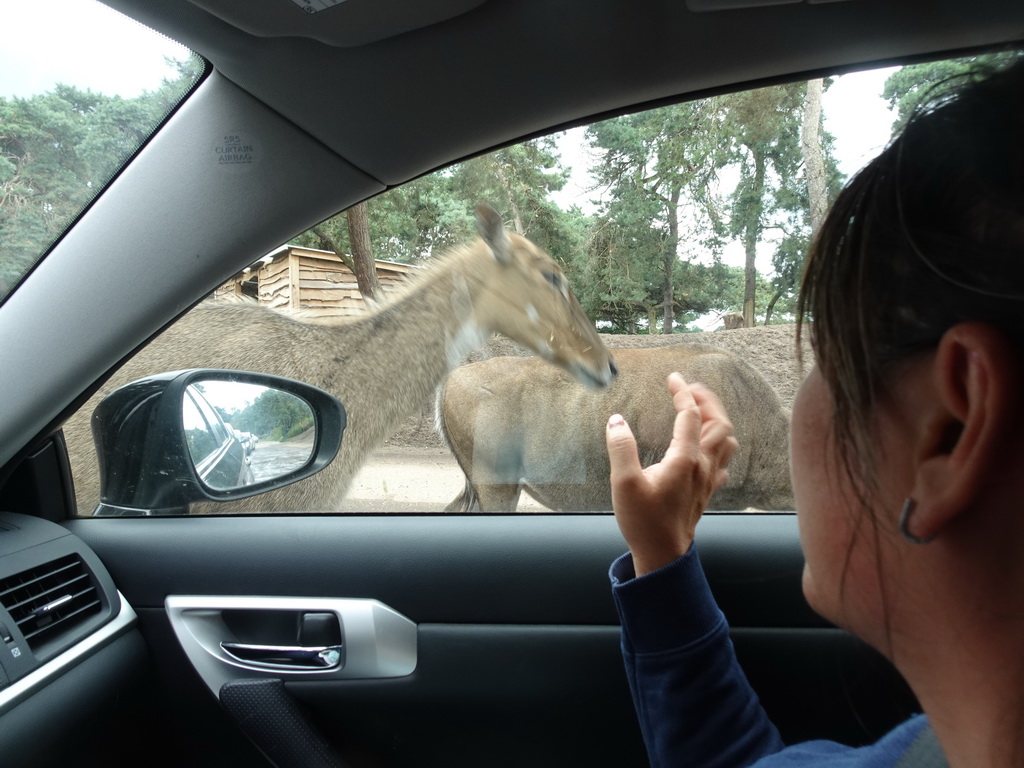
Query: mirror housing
[{"x": 145, "y": 463}]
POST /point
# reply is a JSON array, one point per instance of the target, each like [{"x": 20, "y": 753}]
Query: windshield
[{"x": 72, "y": 113}]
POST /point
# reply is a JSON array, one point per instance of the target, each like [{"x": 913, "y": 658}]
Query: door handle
[
  {"x": 372, "y": 641},
  {"x": 294, "y": 657}
]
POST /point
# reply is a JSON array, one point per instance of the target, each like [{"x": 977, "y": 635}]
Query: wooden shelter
[{"x": 314, "y": 281}]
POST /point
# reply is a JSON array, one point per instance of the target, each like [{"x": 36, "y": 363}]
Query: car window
[
  {"x": 679, "y": 233},
  {"x": 73, "y": 111},
  {"x": 204, "y": 435}
]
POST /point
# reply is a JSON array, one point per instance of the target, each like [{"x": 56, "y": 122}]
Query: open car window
[
  {"x": 72, "y": 113},
  {"x": 680, "y": 233}
]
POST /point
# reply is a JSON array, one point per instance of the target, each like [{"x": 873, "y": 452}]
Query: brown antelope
[
  {"x": 514, "y": 426},
  {"x": 381, "y": 366}
]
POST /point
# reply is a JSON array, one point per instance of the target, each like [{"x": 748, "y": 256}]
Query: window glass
[
  {"x": 682, "y": 226},
  {"x": 199, "y": 433},
  {"x": 81, "y": 88}
]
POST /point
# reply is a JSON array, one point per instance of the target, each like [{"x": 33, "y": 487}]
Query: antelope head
[{"x": 526, "y": 297}]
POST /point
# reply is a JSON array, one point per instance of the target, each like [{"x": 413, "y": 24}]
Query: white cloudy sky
[{"x": 55, "y": 36}]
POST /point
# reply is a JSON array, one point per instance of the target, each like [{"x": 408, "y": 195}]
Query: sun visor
[
  {"x": 708, "y": 6},
  {"x": 341, "y": 23}
]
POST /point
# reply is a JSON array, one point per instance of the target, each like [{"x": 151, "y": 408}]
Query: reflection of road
[
  {"x": 272, "y": 459},
  {"x": 408, "y": 480}
]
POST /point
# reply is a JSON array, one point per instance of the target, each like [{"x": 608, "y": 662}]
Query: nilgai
[
  {"x": 515, "y": 425},
  {"x": 382, "y": 366}
]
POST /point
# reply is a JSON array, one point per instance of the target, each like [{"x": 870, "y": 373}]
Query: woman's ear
[{"x": 975, "y": 420}]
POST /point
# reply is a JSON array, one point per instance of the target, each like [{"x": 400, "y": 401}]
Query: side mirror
[{"x": 168, "y": 440}]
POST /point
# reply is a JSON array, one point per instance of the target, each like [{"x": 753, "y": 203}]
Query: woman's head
[
  {"x": 927, "y": 238},
  {"x": 928, "y": 235}
]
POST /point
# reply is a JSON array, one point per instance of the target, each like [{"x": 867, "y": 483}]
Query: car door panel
[
  {"x": 70, "y": 717},
  {"x": 517, "y": 636}
]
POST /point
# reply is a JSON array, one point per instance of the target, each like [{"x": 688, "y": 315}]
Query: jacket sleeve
[{"x": 693, "y": 701}]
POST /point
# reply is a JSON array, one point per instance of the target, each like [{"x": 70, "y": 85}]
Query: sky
[{"x": 68, "y": 41}]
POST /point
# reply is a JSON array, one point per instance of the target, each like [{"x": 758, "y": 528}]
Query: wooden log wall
[{"x": 316, "y": 282}]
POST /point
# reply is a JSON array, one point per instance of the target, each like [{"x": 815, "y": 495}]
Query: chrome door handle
[
  {"x": 375, "y": 641},
  {"x": 292, "y": 657}
]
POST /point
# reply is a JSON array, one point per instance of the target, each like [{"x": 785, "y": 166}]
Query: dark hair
[{"x": 928, "y": 235}]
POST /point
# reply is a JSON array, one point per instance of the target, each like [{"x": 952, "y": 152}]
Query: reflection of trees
[
  {"x": 274, "y": 415},
  {"x": 200, "y": 443}
]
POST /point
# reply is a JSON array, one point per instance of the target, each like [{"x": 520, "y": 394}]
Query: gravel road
[{"x": 411, "y": 479}]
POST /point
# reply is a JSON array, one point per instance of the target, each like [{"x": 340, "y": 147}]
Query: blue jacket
[{"x": 693, "y": 701}]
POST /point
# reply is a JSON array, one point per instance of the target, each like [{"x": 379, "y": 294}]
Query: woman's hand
[{"x": 657, "y": 508}]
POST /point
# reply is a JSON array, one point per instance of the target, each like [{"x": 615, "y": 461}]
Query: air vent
[{"x": 49, "y": 600}]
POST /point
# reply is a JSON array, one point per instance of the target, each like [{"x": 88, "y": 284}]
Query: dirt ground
[{"x": 414, "y": 471}]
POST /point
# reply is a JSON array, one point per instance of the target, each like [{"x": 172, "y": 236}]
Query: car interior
[{"x": 143, "y": 634}]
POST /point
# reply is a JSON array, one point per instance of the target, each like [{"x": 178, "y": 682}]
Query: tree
[
  {"x": 59, "y": 149},
  {"x": 275, "y": 415},
  {"x": 362, "y": 255},
  {"x": 806, "y": 204},
  {"x": 908, "y": 87},
  {"x": 812, "y": 149},
  {"x": 656, "y": 167},
  {"x": 411, "y": 222},
  {"x": 764, "y": 126}
]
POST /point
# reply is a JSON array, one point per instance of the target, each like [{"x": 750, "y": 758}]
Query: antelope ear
[{"x": 492, "y": 230}]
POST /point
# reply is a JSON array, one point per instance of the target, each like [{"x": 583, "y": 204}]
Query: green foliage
[
  {"x": 652, "y": 166},
  {"x": 410, "y": 223},
  {"x": 274, "y": 415},
  {"x": 908, "y": 87},
  {"x": 58, "y": 150},
  {"x": 668, "y": 213}
]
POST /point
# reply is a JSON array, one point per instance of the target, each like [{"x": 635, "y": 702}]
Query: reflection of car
[
  {"x": 248, "y": 440},
  {"x": 220, "y": 452},
  {"x": 302, "y": 110}
]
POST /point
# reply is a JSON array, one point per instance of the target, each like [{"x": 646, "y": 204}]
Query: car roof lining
[
  {"x": 345, "y": 24},
  {"x": 412, "y": 87}
]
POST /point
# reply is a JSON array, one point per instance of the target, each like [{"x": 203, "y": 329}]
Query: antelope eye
[{"x": 555, "y": 279}]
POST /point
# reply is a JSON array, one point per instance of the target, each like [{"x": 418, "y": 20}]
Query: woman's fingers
[
  {"x": 686, "y": 428},
  {"x": 658, "y": 507},
  {"x": 702, "y": 431},
  {"x": 717, "y": 438}
]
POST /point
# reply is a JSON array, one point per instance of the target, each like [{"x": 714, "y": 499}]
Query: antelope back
[{"x": 515, "y": 424}]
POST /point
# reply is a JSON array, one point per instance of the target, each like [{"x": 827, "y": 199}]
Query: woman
[{"x": 907, "y": 461}]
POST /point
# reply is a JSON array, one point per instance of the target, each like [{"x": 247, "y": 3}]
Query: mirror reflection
[{"x": 239, "y": 434}]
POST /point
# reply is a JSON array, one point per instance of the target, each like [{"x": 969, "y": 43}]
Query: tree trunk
[
  {"x": 751, "y": 234},
  {"x": 517, "y": 217},
  {"x": 771, "y": 307},
  {"x": 667, "y": 302},
  {"x": 670, "y": 256},
  {"x": 327, "y": 242},
  {"x": 362, "y": 254},
  {"x": 814, "y": 157}
]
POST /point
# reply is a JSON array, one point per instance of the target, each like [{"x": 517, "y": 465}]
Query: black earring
[{"x": 904, "y": 524}]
